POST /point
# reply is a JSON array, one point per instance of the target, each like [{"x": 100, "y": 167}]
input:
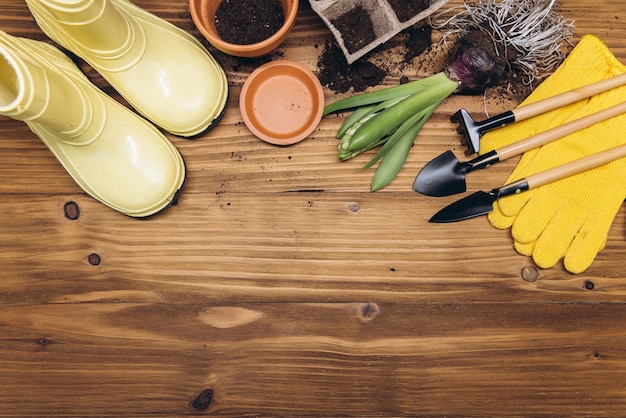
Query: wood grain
[{"x": 279, "y": 285}]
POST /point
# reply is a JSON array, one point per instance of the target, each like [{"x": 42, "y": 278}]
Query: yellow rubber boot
[
  {"x": 161, "y": 70},
  {"x": 114, "y": 155}
]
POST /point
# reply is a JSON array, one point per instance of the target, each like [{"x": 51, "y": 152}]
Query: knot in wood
[
  {"x": 71, "y": 211},
  {"x": 94, "y": 259},
  {"x": 203, "y": 401},
  {"x": 367, "y": 312},
  {"x": 530, "y": 274}
]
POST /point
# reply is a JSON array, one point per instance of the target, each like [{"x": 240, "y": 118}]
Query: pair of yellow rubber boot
[{"x": 113, "y": 154}]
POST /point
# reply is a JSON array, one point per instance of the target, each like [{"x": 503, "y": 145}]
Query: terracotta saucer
[{"x": 282, "y": 102}]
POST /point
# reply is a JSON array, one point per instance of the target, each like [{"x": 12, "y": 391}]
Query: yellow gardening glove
[
  {"x": 590, "y": 57},
  {"x": 570, "y": 218}
]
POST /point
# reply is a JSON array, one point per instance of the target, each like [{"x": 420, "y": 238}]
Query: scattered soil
[
  {"x": 245, "y": 22},
  {"x": 356, "y": 28},
  {"x": 406, "y": 9},
  {"x": 412, "y": 49},
  {"x": 335, "y": 73},
  {"x": 417, "y": 41}
]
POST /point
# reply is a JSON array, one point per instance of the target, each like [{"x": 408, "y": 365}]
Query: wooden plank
[
  {"x": 112, "y": 359},
  {"x": 279, "y": 285},
  {"x": 246, "y": 247}
]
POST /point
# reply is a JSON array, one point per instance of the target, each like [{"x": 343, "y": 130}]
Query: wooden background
[{"x": 279, "y": 285}]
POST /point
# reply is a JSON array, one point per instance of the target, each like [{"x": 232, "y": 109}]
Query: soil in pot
[
  {"x": 245, "y": 22},
  {"x": 356, "y": 28},
  {"x": 406, "y": 9}
]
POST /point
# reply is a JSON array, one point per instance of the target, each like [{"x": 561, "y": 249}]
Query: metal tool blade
[
  {"x": 476, "y": 204},
  {"x": 442, "y": 176}
]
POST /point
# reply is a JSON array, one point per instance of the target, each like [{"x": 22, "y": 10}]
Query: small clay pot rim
[
  {"x": 200, "y": 16},
  {"x": 282, "y": 102}
]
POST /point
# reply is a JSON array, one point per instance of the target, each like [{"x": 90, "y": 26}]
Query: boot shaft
[
  {"x": 95, "y": 24},
  {"x": 35, "y": 88},
  {"x": 75, "y": 11}
]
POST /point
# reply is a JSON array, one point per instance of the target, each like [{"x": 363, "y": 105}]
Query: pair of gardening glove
[{"x": 568, "y": 219}]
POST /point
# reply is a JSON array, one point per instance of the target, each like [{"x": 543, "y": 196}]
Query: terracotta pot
[{"x": 203, "y": 15}]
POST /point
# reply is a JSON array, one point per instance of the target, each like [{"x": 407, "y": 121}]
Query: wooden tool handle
[
  {"x": 576, "y": 166},
  {"x": 553, "y": 134},
  {"x": 569, "y": 97}
]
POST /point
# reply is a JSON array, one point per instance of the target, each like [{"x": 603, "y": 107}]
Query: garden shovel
[
  {"x": 481, "y": 203},
  {"x": 445, "y": 175}
]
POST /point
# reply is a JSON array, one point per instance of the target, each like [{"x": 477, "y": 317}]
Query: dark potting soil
[
  {"x": 417, "y": 40},
  {"x": 245, "y": 22},
  {"x": 356, "y": 28},
  {"x": 335, "y": 73},
  {"x": 406, "y": 9},
  {"x": 415, "y": 45}
]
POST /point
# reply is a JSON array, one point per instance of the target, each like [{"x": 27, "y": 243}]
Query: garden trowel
[{"x": 481, "y": 203}]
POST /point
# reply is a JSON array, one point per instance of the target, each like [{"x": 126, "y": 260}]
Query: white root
[{"x": 529, "y": 32}]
